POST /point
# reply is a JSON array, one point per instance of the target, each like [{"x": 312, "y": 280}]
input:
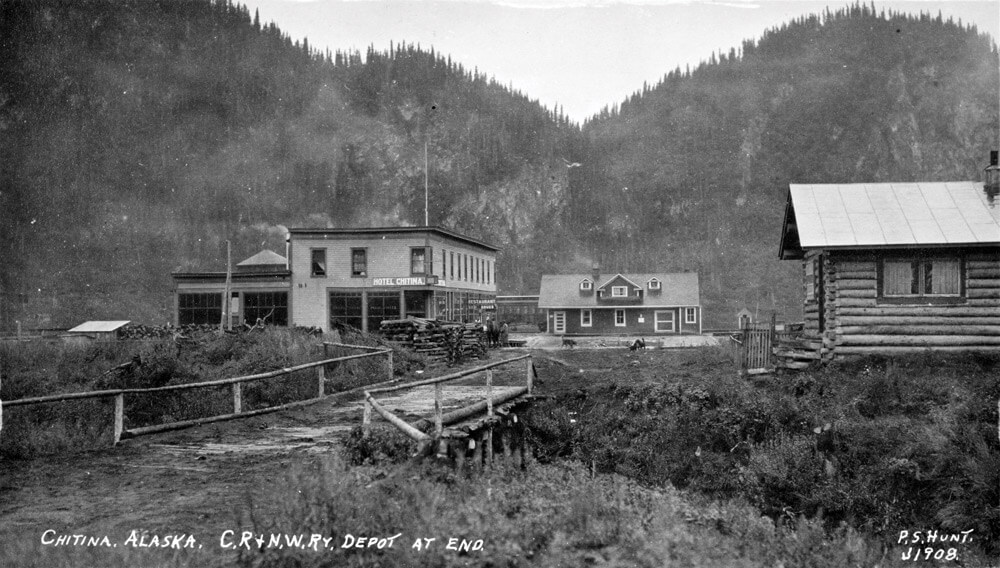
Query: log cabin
[{"x": 897, "y": 267}]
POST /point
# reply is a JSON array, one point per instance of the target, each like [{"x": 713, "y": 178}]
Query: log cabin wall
[{"x": 862, "y": 322}]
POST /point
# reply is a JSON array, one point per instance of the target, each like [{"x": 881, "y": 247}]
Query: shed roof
[
  {"x": 99, "y": 326},
  {"x": 869, "y": 215},
  {"x": 563, "y": 290}
]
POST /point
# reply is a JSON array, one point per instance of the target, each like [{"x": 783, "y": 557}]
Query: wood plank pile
[{"x": 439, "y": 340}]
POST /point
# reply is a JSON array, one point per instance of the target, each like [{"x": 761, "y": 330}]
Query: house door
[{"x": 559, "y": 322}]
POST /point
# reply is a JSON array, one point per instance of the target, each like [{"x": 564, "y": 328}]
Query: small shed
[
  {"x": 896, "y": 267},
  {"x": 99, "y": 330}
]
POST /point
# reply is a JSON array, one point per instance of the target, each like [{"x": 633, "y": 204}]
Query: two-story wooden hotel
[{"x": 359, "y": 277}]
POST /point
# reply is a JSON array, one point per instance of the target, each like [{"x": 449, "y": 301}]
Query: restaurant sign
[{"x": 405, "y": 281}]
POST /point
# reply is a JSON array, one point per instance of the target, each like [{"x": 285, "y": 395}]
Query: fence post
[
  {"x": 438, "y": 427},
  {"x": 366, "y": 419},
  {"x": 530, "y": 374},
  {"x": 119, "y": 417},
  {"x": 237, "y": 398},
  {"x": 326, "y": 350},
  {"x": 321, "y": 378},
  {"x": 389, "y": 354},
  {"x": 489, "y": 393}
]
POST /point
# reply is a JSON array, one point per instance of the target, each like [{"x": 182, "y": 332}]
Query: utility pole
[
  {"x": 227, "y": 320},
  {"x": 426, "y": 215}
]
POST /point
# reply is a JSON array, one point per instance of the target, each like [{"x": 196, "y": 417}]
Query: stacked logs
[{"x": 438, "y": 340}]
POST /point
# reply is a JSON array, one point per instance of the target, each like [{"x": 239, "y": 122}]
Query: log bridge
[{"x": 466, "y": 424}]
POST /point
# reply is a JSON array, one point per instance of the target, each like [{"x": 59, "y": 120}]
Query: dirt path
[{"x": 196, "y": 481}]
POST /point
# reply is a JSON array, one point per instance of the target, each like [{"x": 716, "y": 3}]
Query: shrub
[{"x": 384, "y": 444}]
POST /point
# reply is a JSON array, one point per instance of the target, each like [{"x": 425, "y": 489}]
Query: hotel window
[
  {"x": 199, "y": 308},
  {"x": 272, "y": 307},
  {"x": 465, "y": 271},
  {"x": 318, "y": 262},
  {"x": 690, "y": 315},
  {"x": 619, "y": 291},
  {"x": 619, "y": 318},
  {"x": 451, "y": 264},
  {"x": 489, "y": 272},
  {"x": 924, "y": 278},
  {"x": 586, "y": 318},
  {"x": 418, "y": 260},
  {"x": 359, "y": 262}
]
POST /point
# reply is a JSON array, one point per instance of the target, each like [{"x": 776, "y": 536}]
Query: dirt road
[{"x": 195, "y": 482}]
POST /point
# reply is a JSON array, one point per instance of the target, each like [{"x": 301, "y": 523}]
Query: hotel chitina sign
[{"x": 406, "y": 281}]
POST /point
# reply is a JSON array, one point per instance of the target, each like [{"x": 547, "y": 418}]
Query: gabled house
[
  {"x": 897, "y": 267},
  {"x": 632, "y": 304}
]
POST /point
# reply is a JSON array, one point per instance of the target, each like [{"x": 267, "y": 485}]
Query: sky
[{"x": 582, "y": 55}]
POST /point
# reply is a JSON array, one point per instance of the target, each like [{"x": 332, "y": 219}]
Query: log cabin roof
[
  {"x": 882, "y": 215},
  {"x": 563, "y": 290}
]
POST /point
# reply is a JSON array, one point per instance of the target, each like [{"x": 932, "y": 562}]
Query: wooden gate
[{"x": 754, "y": 348}]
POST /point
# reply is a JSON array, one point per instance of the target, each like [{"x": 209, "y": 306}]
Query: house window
[
  {"x": 619, "y": 318},
  {"x": 914, "y": 279},
  {"x": 663, "y": 321},
  {"x": 586, "y": 285},
  {"x": 318, "y": 262},
  {"x": 586, "y": 319},
  {"x": 619, "y": 291},
  {"x": 418, "y": 260},
  {"x": 359, "y": 262},
  {"x": 654, "y": 284},
  {"x": 690, "y": 315}
]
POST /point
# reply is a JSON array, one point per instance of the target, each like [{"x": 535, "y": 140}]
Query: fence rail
[{"x": 237, "y": 393}]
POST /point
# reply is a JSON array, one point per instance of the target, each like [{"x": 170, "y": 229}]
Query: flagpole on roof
[{"x": 426, "y": 215}]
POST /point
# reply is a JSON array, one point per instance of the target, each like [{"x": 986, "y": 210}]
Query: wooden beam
[
  {"x": 887, "y": 310},
  {"x": 925, "y": 340},
  {"x": 977, "y": 330},
  {"x": 894, "y": 319},
  {"x": 900, "y": 349},
  {"x": 398, "y": 422}
]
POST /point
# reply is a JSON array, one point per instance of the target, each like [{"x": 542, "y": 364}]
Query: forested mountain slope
[
  {"x": 852, "y": 96},
  {"x": 138, "y": 136}
]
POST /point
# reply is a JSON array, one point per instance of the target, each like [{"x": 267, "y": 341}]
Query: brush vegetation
[
  {"x": 877, "y": 444},
  {"x": 41, "y": 368}
]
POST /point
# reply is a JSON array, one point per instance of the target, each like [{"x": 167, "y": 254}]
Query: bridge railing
[
  {"x": 235, "y": 384},
  {"x": 440, "y": 417}
]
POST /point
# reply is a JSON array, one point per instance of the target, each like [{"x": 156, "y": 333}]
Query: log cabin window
[
  {"x": 359, "y": 262},
  {"x": 918, "y": 279},
  {"x": 810, "y": 280},
  {"x": 318, "y": 262}
]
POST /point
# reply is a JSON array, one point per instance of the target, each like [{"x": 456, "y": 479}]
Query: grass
[
  {"x": 878, "y": 444},
  {"x": 549, "y": 515},
  {"x": 39, "y": 368}
]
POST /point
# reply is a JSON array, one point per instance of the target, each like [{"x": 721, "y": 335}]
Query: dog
[
  {"x": 568, "y": 343},
  {"x": 637, "y": 344}
]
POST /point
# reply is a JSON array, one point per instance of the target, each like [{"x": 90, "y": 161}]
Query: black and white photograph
[{"x": 499, "y": 283}]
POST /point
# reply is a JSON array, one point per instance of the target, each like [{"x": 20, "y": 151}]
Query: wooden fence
[
  {"x": 236, "y": 384},
  {"x": 754, "y": 348},
  {"x": 440, "y": 418}
]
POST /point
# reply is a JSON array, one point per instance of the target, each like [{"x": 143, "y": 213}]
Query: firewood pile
[
  {"x": 140, "y": 331},
  {"x": 438, "y": 340}
]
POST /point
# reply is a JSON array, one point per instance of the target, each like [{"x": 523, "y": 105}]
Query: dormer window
[
  {"x": 654, "y": 284},
  {"x": 619, "y": 291},
  {"x": 586, "y": 285}
]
